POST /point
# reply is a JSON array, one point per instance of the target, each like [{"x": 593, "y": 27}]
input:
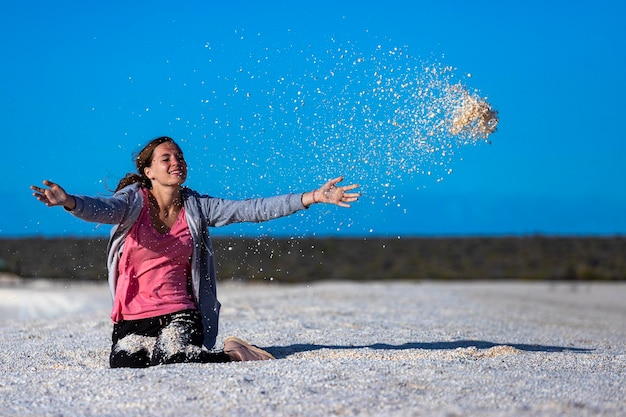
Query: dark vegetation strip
[{"x": 303, "y": 260}]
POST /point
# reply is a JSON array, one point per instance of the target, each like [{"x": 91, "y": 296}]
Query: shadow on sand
[{"x": 281, "y": 352}]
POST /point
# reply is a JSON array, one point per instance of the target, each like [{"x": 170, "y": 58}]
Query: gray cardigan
[{"x": 202, "y": 211}]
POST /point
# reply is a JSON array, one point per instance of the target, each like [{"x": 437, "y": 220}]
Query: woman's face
[{"x": 168, "y": 166}]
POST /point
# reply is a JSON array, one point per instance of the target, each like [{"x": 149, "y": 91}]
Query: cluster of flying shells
[{"x": 471, "y": 115}]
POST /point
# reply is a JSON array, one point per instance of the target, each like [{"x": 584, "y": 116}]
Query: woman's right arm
[{"x": 101, "y": 210}]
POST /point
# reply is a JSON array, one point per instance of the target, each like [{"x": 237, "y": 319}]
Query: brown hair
[{"x": 143, "y": 159}]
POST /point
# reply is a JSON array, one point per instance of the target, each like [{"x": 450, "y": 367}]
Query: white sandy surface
[{"x": 347, "y": 349}]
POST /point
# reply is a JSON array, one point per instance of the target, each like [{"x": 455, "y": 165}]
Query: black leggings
[{"x": 171, "y": 338}]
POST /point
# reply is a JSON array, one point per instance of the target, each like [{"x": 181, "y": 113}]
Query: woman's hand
[
  {"x": 54, "y": 195},
  {"x": 332, "y": 194}
]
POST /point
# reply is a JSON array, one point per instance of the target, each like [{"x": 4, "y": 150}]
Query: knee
[{"x": 124, "y": 359}]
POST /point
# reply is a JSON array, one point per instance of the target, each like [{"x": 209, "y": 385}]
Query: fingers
[
  {"x": 46, "y": 195},
  {"x": 341, "y": 198},
  {"x": 348, "y": 198},
  {"x": 347, "y": 195},
  {"x": 38, "y": 191},
  {"x": 338, "y": 195},
  {"x": 40, "y": 194},
  {"x": 333, "y": 184},
  {"x": 47, "y": 183},
  {"x": 42, "y": 189},
  {"x": 350, "y": 187}
]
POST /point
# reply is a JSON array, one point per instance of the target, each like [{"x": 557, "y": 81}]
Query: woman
[{"x": 160, "y": 260}]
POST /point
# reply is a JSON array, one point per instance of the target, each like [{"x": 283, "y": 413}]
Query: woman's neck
[{"x": 168, "y": 200}]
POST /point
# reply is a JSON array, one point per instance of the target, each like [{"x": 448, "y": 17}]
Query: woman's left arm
[{"x": 220, "y": 212}]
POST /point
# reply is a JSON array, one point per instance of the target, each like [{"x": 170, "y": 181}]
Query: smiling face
[{"x": 168, "y": 166}]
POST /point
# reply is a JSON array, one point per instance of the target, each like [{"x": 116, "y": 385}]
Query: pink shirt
[{"x": 154, "y": 270}]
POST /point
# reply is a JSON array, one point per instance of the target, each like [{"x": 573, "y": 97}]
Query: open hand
[
  {"x": 54, "y": 195},
  {"x": 332, "y": 194}
]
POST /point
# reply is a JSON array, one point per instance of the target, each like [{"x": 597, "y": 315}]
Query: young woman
[{"x": 160, "y": 259}]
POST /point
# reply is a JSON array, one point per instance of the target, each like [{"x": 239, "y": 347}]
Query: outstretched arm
[
  {"x": 332, "y": 194},
  {"x": 107, "y": 210},
  {"x": 54, "y": 195}
]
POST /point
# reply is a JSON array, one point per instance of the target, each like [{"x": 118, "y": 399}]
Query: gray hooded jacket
[{"x": 202, "y": 211}]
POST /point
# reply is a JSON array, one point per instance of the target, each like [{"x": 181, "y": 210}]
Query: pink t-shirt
[{"x": 154, "y": 270}]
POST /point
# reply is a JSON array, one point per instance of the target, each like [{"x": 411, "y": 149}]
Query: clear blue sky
[{"x": 83, "y": 84}]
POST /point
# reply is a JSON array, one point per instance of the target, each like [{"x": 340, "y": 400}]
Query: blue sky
[{"x": 84, "y": 84}]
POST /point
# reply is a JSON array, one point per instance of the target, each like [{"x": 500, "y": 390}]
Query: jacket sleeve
[
  {"x": 107, "y": 210},
  {"x": 221, "y": 212}
]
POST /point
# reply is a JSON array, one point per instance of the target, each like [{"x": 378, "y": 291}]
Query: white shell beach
[{"x": 342, "y": 348}]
